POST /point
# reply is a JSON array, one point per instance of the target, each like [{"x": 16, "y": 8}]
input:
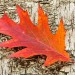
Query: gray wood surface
[{"x": 55, "y": 9}]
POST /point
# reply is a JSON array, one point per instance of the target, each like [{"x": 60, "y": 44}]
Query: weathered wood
[{"x": 55, "y": 9}]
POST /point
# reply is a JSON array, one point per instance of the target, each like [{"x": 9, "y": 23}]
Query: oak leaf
[{"x": 38, "y": 39}]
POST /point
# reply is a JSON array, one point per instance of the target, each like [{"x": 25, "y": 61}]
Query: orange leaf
[{"x": 37, "y": 39}]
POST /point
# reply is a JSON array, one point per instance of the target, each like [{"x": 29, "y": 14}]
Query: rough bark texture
[{"x": 55, "y": 9}]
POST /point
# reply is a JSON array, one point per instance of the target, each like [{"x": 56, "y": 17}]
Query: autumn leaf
[{"x": 38, "y": 39}]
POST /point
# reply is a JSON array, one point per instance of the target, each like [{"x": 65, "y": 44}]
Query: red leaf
[{"x": 37, "y": 38}]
